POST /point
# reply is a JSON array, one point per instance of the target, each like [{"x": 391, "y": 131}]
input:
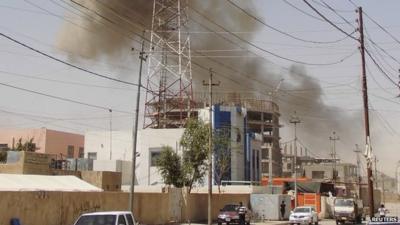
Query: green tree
[
  {"x": 195, "y": 152},
  {"x": 222, "y": 155},
  {"x": 169, "y": 165},
  {"x": 28, "y": 146}
]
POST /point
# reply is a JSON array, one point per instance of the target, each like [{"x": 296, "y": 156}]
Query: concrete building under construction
[{"x": 260, "y": 116}]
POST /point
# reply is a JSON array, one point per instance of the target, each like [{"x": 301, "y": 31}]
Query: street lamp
[
  {"x": 397, "y": 177},
  {"x": 294, "y": 119}
]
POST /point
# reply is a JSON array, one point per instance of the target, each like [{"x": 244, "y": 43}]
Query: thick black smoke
[{"x": 108, "y": 28}]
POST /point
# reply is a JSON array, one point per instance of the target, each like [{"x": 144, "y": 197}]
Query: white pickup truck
[
  {"x": 348, "y": 210},
  {"x": 106, "y": 218}
]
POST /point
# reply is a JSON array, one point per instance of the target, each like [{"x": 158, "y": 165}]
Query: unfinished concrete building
[{"x": 261, "y": 117}]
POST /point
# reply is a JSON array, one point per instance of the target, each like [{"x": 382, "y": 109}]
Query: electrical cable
[
  {"x": 337, "y": 13},
  {"x": 376, "y": 23},
  {"x": 62, "y": 81},
  {"x": 328, "y": 7},
  {"x": 306, "y": 13},
  {"x": 66, "y": 63},
  {"x": 376, "y": 82},
  {"x": 381, "y": 69},
  {"x": 280, "y": 31},
  {"x": 272, "y": 53},
  {"x": 62, "y": 98},
  {"x": 329, "y": 21}
]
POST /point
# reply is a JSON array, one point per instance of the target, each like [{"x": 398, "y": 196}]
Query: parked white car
[
  {"x": 106, "y": 218},
  {"x": 304, "y": 215}
]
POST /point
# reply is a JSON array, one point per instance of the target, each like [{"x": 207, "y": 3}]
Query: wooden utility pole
[
  {"x": 358, "y": 151},
  {"x": 210, "y": 84},
  {"x": 111, "y": 129},
  {"x": 366, "y": 114},
  {"x": 142, "y": 58},
  {"x": 294, "y": 119},
  {"x": 333, "y": 139}
]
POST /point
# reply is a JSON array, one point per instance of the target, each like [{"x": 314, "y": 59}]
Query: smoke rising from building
[{"x": 106, "y": 30}]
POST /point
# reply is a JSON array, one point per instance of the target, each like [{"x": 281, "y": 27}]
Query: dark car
[{"x": 230, "y": 214}]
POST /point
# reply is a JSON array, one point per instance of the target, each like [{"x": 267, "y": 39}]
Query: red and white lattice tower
[{"x": 169, "y": 97}]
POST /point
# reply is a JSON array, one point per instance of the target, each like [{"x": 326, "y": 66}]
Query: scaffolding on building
[{"x": 169, "y": 91}]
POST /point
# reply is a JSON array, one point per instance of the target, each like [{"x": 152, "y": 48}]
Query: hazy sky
[{"x": 41, "y": 27}]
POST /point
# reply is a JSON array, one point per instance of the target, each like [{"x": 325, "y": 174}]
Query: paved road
[{"x": 322, "y": 222}]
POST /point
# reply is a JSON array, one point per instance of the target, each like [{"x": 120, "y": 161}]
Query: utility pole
[
  {"x": 110, "y": 110},
  {"x": 210, "y": 84},
  {"x": 142, "y": 58},
  {"x": 368, "y": 152},
  {"x": 270, "y": 163},
  {"x": 358, "y": 151},
  {"x": 333, "y": 139},
  {"x": 398, "y": 83},
  {"x": 376, "y": 171},
  {"x": 294, "y": 119},
  {"x": 397, "y": 176}
]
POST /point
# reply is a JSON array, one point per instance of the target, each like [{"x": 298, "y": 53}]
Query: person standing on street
[
  {"x": 242, "y": 214},
  {"x": 382, "y": 211},
  {"x": 283, "y": 209}
]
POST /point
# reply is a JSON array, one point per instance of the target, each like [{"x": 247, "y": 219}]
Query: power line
[
  {"x": 336, "y": 12},
  {"x": 329, "y": 21},
  {"x": 269, "y": 52},
  {"x": 278, "y": 30},
  {"x": 62, "y": 81},
  {"x": 376, "y": 23},
  {"x": 328, "y": 7},
  {"x": 306, "y": 13},
  {"x": 381, "y": 69},
  {"x": 66, "y": 63},
  {"x": 376, "y": 82},
  {"x": 62, "y": 98}
]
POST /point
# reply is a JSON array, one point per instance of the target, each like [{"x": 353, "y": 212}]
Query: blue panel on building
[{"x": 222, "y": 122}]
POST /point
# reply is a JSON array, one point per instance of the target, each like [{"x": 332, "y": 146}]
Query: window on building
[
  {"x": 70, "y": 151},
  {"x": 4, "y": 147},
  {"x": 289, "y": 166},
  {"x": 92, "y": 155},
  {"x": 264, "y": 153},
  {"x": 318, "y": 174},
  {"x": 154, "y": 154},
  {"x": 265, "y": 167},
  {"x": 81, "y": 152}
]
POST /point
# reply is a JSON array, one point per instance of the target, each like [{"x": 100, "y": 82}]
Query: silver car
[{"x": 303, "y": 215}]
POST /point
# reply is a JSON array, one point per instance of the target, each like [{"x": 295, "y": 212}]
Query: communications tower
[{"x": 169, "y": 91}]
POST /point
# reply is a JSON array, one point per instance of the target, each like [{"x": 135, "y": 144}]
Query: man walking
[
  {"x": 283, "y": 209},
  {"x": 242, "y": 214},
  {"x": 382, "y": 211}
]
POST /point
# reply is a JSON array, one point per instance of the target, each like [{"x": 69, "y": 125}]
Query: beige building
[{"x": 59, "y": 143}]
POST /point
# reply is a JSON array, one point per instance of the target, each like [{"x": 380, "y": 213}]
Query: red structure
[{"x": 169, "y": 97}]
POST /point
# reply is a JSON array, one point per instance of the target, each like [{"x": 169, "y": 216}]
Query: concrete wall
[
  {"x": 108, "y": 181},
  {"x": 267, "y": 206},
  {"x": 57, "y": 208}
]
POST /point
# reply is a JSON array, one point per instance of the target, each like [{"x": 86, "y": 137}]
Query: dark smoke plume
[{"x": 106, "y": 31}]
